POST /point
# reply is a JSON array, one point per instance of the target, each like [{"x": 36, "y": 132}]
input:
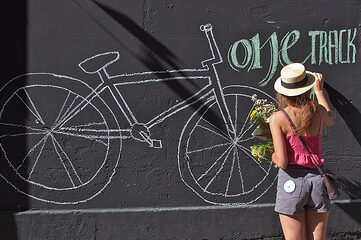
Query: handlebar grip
[{"x": 206, "y": 27}]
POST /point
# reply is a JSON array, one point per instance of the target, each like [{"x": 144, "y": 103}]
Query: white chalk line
[
  {"x": 78, "y": 108},
  {"x": 70, "y": 162},
  {"x": 221, "y": 132},
  {"x": 240, "y": 170},
  {"x": 36, "y": 110},
  {"x": 57, "y": 123},
  {"x": 159, "y": 72},
  {"x": 165, "y": 209},
  {"x": 231, "y": 171},
  {"x": 90, "y": 137},
  {"x": 245, "y": 150},
  {"x": 36, "y": 116},
  {"x": 88, "y": 125},
  {"x": 62, "y": 162},
  {"x": 160, "y": 80},
  {"x": 20, "y": 134},
  {"x": 30, "y": 151},
  {"x": 236, "y": 116},
  {"x": 23, "y": 126},
  {"x": 178, "y": 107},
  {"x": 62, "y": 108},
  {"x": 37, "y": 158},
  {"x": 208, "y": 148},
  {"x": 219, "y": 170},
  {"x": 213, "y": 132},
  {"x": 215, "y": 162},
  {"x": 244, "y": 124}
]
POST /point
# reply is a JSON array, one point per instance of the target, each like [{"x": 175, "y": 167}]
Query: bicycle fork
[{"x": 214, "y": 78}]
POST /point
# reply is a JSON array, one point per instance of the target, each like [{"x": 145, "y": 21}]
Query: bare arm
[
  {"x": 279, "y": 157},
  {"x": 326, "y": 112}
]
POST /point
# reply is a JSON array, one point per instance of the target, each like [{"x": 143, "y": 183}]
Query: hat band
[{"x": 294, "y": 85}]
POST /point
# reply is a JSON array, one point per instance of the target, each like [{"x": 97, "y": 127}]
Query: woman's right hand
[{"x": 318, "y": 82}]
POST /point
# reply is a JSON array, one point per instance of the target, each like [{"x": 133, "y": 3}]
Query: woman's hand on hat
[{"x": 318, "y": 82}]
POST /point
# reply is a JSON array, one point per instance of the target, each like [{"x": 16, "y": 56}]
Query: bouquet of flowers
[{"x": 260, "y": 116}]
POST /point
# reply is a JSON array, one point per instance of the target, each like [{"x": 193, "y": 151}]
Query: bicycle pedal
[{"x": 156, "y": 144}]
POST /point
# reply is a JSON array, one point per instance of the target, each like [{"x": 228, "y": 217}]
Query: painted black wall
[{"x": 81, "y": 176}]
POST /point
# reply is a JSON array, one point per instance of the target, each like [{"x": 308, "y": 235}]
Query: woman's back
[
  {"x": 296, "y": 116},
  {"x": 296, "y": 153}
]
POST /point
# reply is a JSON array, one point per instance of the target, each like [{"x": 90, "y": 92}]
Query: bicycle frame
[{"x": 142, "y": 133}]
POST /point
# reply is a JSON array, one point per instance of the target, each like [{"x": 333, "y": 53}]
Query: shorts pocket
[{"x": 289, "y": 187}]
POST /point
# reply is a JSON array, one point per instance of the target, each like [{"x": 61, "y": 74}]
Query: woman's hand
[{"x": 318, "y": 82}]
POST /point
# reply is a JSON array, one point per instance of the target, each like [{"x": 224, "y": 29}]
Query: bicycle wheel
[
  {"x": 218, "y": 165},
  {"x": 55, "y": 143}
]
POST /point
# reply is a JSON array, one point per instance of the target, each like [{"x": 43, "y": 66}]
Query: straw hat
[{"x": 294, "y": 80}]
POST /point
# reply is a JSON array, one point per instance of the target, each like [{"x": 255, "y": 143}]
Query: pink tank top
[{"x": 298, "y": 155}]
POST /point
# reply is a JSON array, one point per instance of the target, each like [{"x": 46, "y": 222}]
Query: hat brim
[{"x": 295, "y": 91}]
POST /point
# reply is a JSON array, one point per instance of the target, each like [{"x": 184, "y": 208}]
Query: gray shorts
[{"x": 300, "y": 188}]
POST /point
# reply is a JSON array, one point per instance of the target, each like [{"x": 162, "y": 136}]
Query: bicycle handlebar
[{"x": 206, "y": 27}]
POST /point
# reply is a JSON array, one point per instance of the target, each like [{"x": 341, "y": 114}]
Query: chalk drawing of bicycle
[{"x": 64, "y": 142}]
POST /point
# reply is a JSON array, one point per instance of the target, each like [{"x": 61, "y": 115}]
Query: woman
[{"x": 301, "y": 201}]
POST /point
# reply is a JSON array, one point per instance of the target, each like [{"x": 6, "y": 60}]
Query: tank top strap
[{"x": 289, "y": 123}]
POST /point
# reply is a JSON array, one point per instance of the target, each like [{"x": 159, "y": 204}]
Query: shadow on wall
[
  {"x": 13, "y": 19},
  {"x": 349, "y": 113},
  {"x": 155, "y": 56},
  {"x": 352, "y": 188},
  {"x": 352, "y": 209}
]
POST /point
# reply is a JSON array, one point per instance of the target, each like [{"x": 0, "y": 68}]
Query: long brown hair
[{"x": 307, "y": 106}]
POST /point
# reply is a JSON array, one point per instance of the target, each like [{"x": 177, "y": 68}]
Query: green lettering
[
  {"x": 273, "y": 42},
  {"x": 350, "y": 44},
  {"x": 313, "y": 35},
  {"x": 232, "y": 54},
  {"x": 340, "y": 46},
  {"x": 285, "y": 45},
  {"x": 323, "y": 47},
  {"x": 331, "y": 45},
  {"x": 256, "y": 57}
]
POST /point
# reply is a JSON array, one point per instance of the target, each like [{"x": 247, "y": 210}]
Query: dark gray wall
[{"x": 73, "y": 163}]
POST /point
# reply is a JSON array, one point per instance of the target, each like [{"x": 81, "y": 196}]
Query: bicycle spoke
[
  {"x": 27, "y": 106},
  {"x": 22, "y": 126},
  {"x": 248, "y": 152},
  {"x": 220, "y": 131},
  {"x": 36, "y": 110},
  {"x": 20, "y": 134},
  {"x": 209, "y": 169},
  {"x": 65, "y": 162},
  {"x": 37, "y": 158},
  {"x": 65, "y": 115},
  {"x": 236, "y": 116},
  {"x": 209, "y": 148},
  {"x": 245, "y": 140},
  {"x": 30, "y": 151},
  {"x": 241, "y": 133},
  {"x": 239, "y": 170},
  {"x": 77, "y": 109},
  {"x": 213, "y": 132},
  {"x": 219, "y": 170},
  {"x": 244, "y": 132},
  {"x": 62, "y": 108},
  {"x": 231, "y": 171}
]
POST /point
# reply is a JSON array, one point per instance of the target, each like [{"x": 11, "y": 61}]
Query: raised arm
[{"x": 325, "y": 108}]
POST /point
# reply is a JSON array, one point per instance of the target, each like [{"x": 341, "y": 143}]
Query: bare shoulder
[{"x": 276, "y": 118}]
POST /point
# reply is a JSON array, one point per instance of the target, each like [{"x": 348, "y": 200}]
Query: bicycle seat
[{"x": 98, "y": 62}]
